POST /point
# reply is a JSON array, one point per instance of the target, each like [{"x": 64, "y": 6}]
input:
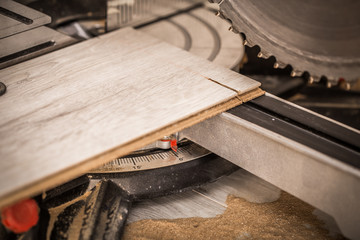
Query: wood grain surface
[{"x": 77, "y": 108}]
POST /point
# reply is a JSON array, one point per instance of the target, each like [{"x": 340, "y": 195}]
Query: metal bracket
[{"x": 315, "y": 176}]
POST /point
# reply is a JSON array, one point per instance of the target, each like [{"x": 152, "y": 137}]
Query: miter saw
[{"x": 319, "y": 40}]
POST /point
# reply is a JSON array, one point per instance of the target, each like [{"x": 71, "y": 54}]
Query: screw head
[{"x": 2, "y": 88}]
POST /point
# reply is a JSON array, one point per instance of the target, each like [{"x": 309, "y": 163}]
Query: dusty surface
[
  {"x": 287, "y": 218},
  {"x": 54, "y": 213}
]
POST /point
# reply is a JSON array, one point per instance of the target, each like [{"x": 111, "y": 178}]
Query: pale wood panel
[{"x": 76, "y": 108}]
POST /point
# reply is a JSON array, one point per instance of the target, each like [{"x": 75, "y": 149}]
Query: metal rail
[{"x": 311, "y": 157}]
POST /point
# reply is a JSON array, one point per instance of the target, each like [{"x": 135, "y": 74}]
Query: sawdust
[
  {"x": 54, "y": 213},
  {"x": 286, "y": 218}
]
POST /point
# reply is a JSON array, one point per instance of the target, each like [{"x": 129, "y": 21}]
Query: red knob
[
  {"x": 21, "y": 216},
  {"x": 173, "y": 145}
]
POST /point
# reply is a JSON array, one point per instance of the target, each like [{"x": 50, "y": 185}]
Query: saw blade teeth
[
  {"x": 236, "y": 13},
  {"x": 296, "y": 73},
  {"x": 313, "y": 79},
  {"x": 263, "y": 55},
  {"x": 248, "y": 43},
  {"x": 344, "y": 84},
  {"x": 278, "y": 64},
  {"x": 347, "y": 86},
  {"x": 232, "y": 29}
]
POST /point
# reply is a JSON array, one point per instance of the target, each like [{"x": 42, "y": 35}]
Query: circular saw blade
[{"x": 320, "y": 37}]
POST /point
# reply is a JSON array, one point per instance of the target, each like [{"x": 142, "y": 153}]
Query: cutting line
[
  {"x": 210, "y": 79},
  {"x": 223, "y": 85}
]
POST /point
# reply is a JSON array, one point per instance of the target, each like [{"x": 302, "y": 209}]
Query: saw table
[{"x": 67, "y": 113}]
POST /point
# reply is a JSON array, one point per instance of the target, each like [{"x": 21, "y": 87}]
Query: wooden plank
[{"x": 72, "y": 110}]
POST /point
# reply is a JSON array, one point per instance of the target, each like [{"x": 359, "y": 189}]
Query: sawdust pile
[{"x": 287, "y": 218}]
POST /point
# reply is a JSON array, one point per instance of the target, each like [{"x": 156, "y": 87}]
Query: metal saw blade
[{"x": 321, "y": 37}]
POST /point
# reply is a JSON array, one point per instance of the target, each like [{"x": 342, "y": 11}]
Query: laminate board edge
[{"x": 64, "y": 175}]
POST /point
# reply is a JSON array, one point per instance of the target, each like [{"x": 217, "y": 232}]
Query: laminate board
[{"x": 74, "y": 109}]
